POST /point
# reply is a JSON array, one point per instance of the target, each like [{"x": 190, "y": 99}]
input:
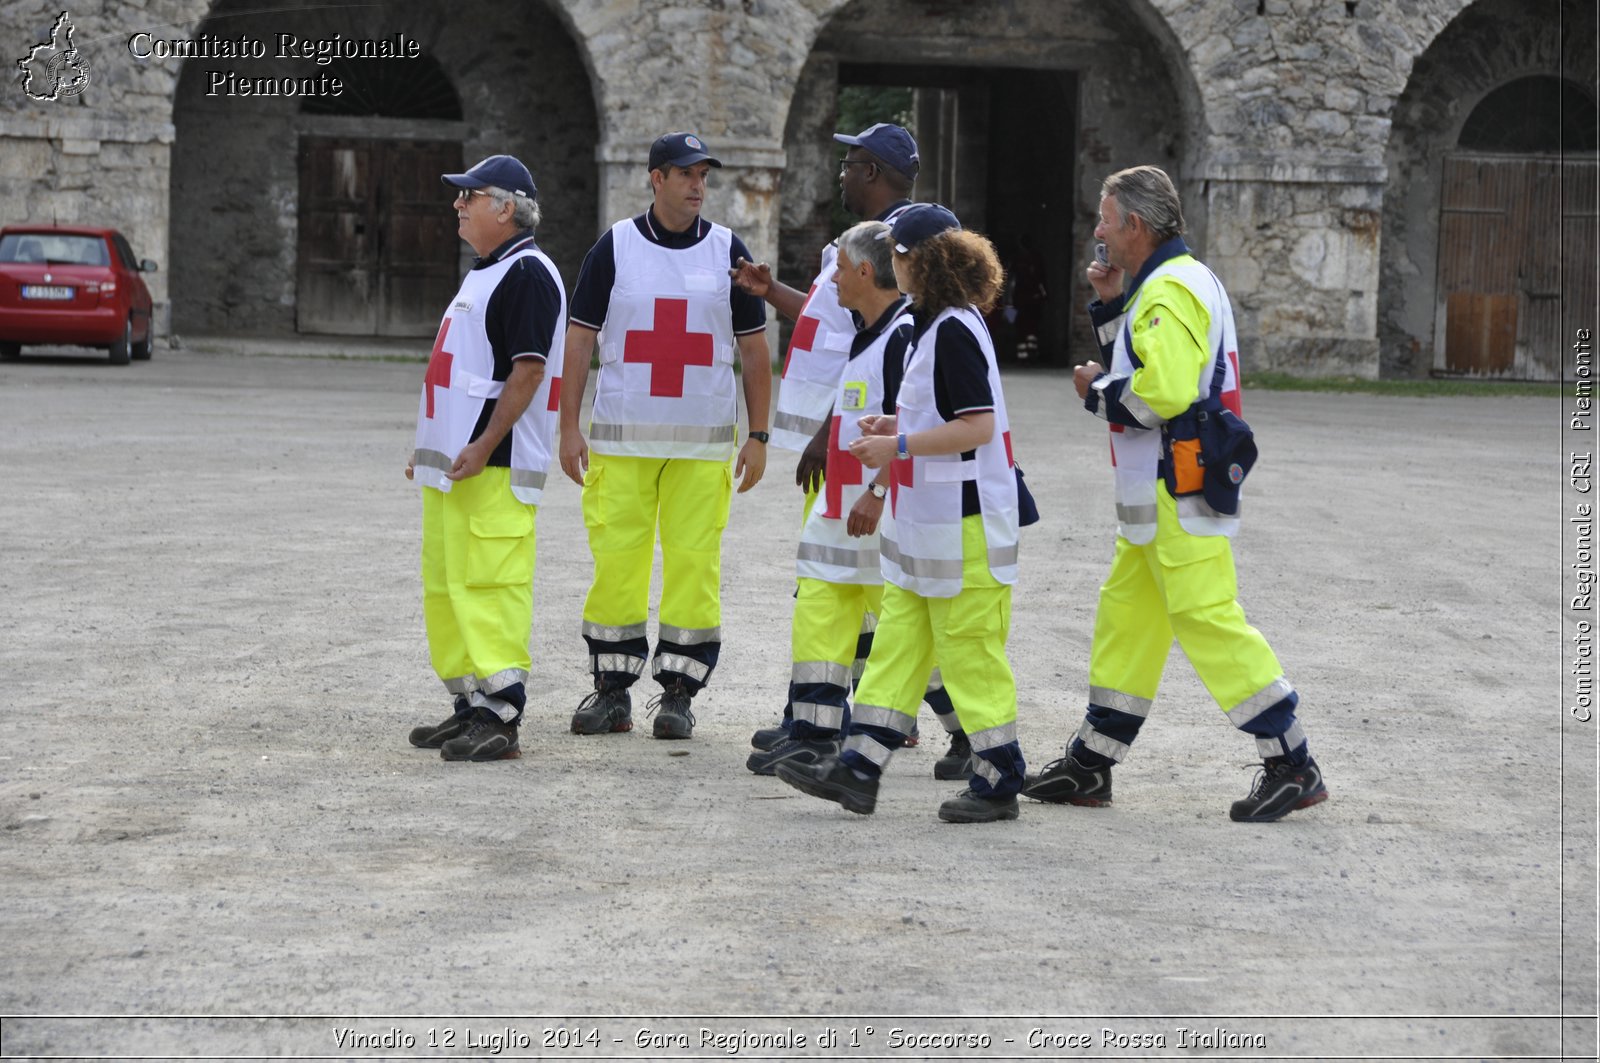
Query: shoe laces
[{"x": 673, "y": 700}]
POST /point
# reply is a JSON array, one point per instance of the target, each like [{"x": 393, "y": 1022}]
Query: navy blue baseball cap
[
  {"x": 501, "y": 171},
  {"x": 917, "y": 223},
  {"x": 891, "y": 143},
  {"x": 679, "y": 149}
]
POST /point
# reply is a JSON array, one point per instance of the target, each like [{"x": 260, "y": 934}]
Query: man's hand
[
  {"x": 752, "y": 277},
  {"x": 574, "y": 456},
  {"x": 1084, "y": 375},
  {"x": 751, "y": 464},
  {"x": 411, "y": 465},
  {"x": 808, "y": 471},
  {"x": 1105, "y": 279},
  {"x": 864, "y": 515},
  {"x": 470, "y": 462},
  {"x": 875, "y": 451}
]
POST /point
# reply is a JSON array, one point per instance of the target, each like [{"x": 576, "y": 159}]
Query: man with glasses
[
  {"x": 654, "y": 295},
  {"x": 483, "y": 445},
  {"x": 875, "y": 181}
]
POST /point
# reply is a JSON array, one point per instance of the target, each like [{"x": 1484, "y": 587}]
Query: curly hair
[{"x": 954, "y": 269}]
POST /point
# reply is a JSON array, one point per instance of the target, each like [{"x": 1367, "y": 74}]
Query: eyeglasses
[{"x": 468, "y": 193}]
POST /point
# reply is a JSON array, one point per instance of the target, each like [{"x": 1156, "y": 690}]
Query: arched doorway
[{"x": 1516, "y": 230}]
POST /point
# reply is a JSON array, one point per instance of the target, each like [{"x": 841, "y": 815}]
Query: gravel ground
[{"x": 214, "y": 648}]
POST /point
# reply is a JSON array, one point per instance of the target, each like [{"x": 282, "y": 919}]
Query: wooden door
[
  {"x": 378, "y": 249},
  {"x": 1515, "y": 237}
]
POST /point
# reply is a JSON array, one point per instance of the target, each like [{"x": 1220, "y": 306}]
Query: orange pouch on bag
[{"x": 1188, "y": 475}]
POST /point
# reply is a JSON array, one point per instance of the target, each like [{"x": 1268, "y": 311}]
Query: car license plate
[{"x": 46, "y": 291}]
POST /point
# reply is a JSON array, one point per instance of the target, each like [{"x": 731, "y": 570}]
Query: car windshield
[{"x": 54, "y": 249}]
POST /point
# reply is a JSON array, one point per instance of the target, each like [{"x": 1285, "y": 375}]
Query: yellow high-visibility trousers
[
  {"x": 478, "y": 546},
  {"x": 625, "y": 501}
]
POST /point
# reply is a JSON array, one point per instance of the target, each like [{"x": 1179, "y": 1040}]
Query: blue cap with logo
[
  {"x": 919, "y": 222},
  {"x": 499, "y": 171},
  {"x": 891, "y": 143},
  {"x": 679, "y": 149}
]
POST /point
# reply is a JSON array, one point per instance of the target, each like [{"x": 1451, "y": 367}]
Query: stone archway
[
  {"x": 1490, "y": 44},
  {"x": 268, "y": 238},
  {"x": 1020, "y": 111}
]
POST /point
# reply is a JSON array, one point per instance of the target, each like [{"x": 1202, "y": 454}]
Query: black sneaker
[
  {"x": 487, "y": 737},
  {"x": 955, "y": 764},
  {"x": 769, "y": 738},
  {"x": 671, "y": 709},
  {"x": 968, "y": 807},
  {"x": 832, "y": 780},
  {"x": 432, "y": 736},
  {"x": 1280, "y": 788},
  {"x": 608, "y": 709},
  {"x": 1066, "y": 782},
  {"x": 794, "y": 751}
]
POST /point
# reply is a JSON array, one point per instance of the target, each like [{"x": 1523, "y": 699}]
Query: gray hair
[
  {"x": 1148, "y": 192},
  {"x": 525, "y": 212},
  {"x": 869, "y": 242}
]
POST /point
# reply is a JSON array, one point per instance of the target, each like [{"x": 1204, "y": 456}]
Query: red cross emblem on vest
[
  {"x": 438, "y": 375},
  {"x": 669, "y": 347},
  {"x": 804, "y": 334},
  {"x": 842, "y": 469}
]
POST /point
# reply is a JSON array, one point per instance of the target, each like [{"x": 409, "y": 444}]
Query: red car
[{"x": 73, "y": 284}]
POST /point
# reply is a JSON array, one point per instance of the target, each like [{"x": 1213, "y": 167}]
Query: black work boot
[
  {"x": 1280, "y": 788},
  {"x": 608, "y": 709},
  {"x": 956, "y": 762},
  {"x": 968, "y": 807},
  {"x": 487, "y": 737},
  {"x": 671, "y": 709},
  {"x": 1067, "y": 782},
  {"x": 833, "y": 780},
  {"x": 792, "y": 751},
  {"x": 432, "y": 736}
]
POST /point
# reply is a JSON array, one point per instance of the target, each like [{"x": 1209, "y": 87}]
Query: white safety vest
[
  {"x": 921, "y": 545},
  {"x": 460, "y": 379},
  {"x": 1136, "y": 452},
  {"x": 827, "y": 551},
  {"x": 819, "y": 346},
  {"x": 666, "y": 385}
]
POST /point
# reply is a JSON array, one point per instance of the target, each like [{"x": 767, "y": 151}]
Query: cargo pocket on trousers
[
  {"x": 592, "y": 516},
  {"x": 501, "y": 554}
]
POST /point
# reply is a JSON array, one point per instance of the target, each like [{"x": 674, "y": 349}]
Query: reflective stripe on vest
[
  {"x": 1136, "y": 452},
  {"x": 921, "y": 546},
  {"x": 827, "y": 551},
  {"x": 460, "y": 379},
  {"x": 666, "y": 387}
]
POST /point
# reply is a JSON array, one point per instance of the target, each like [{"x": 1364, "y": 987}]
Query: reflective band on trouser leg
[
  {"x": 695, "y": 498},
  {"x": 969, "y": 642},
  {"x": 489, "y": 544},
  {"x": 619, "y": 511},
  {"x": 822, "y": 646},
  {"x": 1132, "y": 639},
  {"x": 895, "y": 680}
]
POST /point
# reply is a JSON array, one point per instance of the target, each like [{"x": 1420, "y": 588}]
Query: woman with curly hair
[{"x": 949, "y": 542}]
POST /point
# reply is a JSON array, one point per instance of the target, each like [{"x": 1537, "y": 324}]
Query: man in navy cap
[
  {"x": 875, "y": 180},
  {"x": 483, "y": 445},
  {"x": 655, "y": 294}
]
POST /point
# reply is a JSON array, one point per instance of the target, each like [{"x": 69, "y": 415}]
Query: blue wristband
[{"x": 900, "y": 448}]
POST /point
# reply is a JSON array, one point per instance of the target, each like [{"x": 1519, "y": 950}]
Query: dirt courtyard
[{"x": 216, "y": 840}]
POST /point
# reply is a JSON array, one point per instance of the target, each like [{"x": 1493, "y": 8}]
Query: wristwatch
[
  {"x": 877, "y": 491},
  {"x": 760, "y": 437}
]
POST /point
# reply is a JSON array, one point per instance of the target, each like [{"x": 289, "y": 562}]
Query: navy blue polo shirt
[
  {"x": 592, "y": 298},
  {"x": 520, "y": 320}
]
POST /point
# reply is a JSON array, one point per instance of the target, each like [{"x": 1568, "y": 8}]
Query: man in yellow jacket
[{"x": 1174, "y": 360}]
